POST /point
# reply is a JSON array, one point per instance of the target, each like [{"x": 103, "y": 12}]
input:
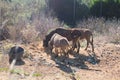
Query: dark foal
[{"x": 16, "y": 53}]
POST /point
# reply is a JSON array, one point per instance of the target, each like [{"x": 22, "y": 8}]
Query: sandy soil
[{"x": 39, "y": 65}]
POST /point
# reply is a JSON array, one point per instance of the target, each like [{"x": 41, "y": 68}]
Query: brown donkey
[{"x": 85, "y": 34}]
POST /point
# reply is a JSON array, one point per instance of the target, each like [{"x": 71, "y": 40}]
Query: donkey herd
[{"x": 59, "y": 40}]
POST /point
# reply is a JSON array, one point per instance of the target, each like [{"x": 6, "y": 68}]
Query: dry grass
[
  {"x": 45, "y": 24},
  {"x": 29, "y": 34},
  {"x": 107, "y": 28}
]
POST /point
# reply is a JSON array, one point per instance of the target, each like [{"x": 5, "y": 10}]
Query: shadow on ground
[{"x": 71, "y": 65}]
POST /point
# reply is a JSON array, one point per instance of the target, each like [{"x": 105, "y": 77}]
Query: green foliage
[
  {"x": 69, "y": 11},
  {"x": 90, "y": 3},
  {"x": 106, "y": 8}
]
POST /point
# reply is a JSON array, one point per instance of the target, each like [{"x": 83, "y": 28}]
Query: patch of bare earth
[{"x": 40, "y": 66}]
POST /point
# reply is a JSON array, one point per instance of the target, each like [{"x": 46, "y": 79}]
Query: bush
[
  {"x": 114, "y": 35},
  {"x": 44, "y": 24},
  {"x": 100, "y": 26},
  {"x": 29, "y": 34}
]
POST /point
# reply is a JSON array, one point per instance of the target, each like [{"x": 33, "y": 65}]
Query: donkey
[
  {"x": 85, "y": 34},
  {"x": 58, "y": 41}
]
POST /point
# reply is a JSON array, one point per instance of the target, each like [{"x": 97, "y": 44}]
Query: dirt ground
[{"x": 39, "y": 65}]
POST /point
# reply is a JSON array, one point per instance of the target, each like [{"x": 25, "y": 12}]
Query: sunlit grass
[
  {"x": 3, "y": 69},
  {"x": 83, "y": 44},
  {"x": 18, "y": 71},
  {"x": 78, "y": 77},
  {"x": 37, "y": 75},
  {"x": 0, "y": 55}
]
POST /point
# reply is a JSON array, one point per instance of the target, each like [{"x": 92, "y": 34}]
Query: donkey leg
[
  {"x": 78, "y": 47},
  {"x": 87, "y": 45},
  {"x": 92, "y": 46}
]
